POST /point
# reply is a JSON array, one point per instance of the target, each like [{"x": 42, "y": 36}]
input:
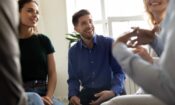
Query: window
[
  {"x": 119, "y": 25},
  {"x": 93, "y": 6},
  {"x": 108, "y": 15},
  {"x": 117, "y": 8}
]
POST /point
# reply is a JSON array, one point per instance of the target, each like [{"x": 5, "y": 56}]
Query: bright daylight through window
[{"x": 111, "y": 17}]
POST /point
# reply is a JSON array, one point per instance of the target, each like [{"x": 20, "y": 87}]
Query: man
[
  {"x": 158, "y": 80},
  {"x": 11, "y": 90},
  {"x": 92, "y": 65}
]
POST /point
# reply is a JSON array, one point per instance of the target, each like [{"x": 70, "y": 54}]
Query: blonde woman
[{"x": 156, "y": 10}]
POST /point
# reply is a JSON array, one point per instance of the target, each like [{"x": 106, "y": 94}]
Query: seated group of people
[{"x": 95, "y": 62}]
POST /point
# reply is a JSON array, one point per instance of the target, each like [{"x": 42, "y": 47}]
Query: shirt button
[
  {"x": 92, "y": 83},
  {"x": 92, "y": 62}
]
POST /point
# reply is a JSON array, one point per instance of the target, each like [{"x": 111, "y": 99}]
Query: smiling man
[{"x": 91, "y": 65}]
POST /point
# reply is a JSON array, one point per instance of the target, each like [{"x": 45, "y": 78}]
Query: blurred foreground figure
[
  {"x": 10, "y": 79},
  {"x": 157, "y": 80}
]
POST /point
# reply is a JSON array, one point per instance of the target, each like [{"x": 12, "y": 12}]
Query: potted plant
[{"x": 72, "y": 37}]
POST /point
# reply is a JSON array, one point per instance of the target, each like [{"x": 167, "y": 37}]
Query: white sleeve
[
  {"x": 152, "y": 78},
  {"x": 158, "y": 80},
  {"x": 156, "y": 60},
  {"x": 157, "y": 45},
  {"x": 135, "y": 67},
  {"x": 140, "y": 91}
]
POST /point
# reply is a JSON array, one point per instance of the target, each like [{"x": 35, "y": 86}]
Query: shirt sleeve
[
  {"x": 157, "y": 45},
  {"x": 153, "y": 79},
  {"x": 73, "y": 81},
  {"x": 157, "y": 80},
  {"x": 156, "y": 60},
  {"x": 118, "y": 76},
  {"x": 47, "y": 44}
]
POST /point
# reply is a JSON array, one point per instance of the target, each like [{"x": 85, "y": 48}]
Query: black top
[{"x": 34, "y": 51}]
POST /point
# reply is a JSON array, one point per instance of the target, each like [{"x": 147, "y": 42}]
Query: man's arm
[
  {"x": 11, "y": 91},
  {"x": 73, "y": 81},
  {"x": 118, "y": 77}
]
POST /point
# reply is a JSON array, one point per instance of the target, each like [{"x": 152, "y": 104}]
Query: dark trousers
[
  {"x": 37, "y": 86},
  {"x": 87, "y": 95}
]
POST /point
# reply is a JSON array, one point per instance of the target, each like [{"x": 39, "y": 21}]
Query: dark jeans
[
  {"x": 87, "y": 95},
  {"x": 37, "y": 86},
  {"x": 40, "y": 87}
]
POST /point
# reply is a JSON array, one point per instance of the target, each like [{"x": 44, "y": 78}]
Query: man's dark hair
[{"x": 79, "y": 14}]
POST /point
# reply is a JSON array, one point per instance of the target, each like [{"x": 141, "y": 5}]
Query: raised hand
[
  {"x": 125, "y": 37},
  {"x": 143, "y": 36}
]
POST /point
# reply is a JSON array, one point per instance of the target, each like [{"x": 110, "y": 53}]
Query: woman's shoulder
[
  {"x": 46, "y": 42},
  {"x": 43, "y": 37}
]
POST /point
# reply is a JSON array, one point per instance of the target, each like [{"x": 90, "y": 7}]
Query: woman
[
  {"x": 156, "y": 10},
  {"x": 158, "y": 80},
  {"x": 37, "y": 59}
]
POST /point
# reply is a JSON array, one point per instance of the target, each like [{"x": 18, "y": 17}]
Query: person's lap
[
  {"x": 134, "y": 100},
  {"x": 41, "y": 91},
  {"x": 34, "y": 99},
  {"x": 56, "y": 101}
]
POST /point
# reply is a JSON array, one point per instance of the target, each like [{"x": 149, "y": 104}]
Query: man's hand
[
  {"x": 102, "y": 96},
  {"x": 74, "y": 100},
  {"x": 47, "y": 100}
]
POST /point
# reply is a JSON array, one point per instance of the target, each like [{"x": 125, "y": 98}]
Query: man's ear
[{"x": 76, "y": 28}]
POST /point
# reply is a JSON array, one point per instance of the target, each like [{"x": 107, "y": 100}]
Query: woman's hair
[
  {"x": 21, "y": 4},
  {"x": 149, "y": 13}
]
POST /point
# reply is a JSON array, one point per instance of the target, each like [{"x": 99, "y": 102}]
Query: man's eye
[{"x": 29, "y": 11}]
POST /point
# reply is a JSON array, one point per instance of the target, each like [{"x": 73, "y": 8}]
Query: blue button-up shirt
[{"x": 94, "y": 67}]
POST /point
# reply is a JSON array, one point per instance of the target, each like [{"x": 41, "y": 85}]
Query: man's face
[{"x": 85, "y": 27}]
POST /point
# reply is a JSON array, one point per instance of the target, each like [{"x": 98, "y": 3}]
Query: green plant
[{"x": 72, "y": 37}]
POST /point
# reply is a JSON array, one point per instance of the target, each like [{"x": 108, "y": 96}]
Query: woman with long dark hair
[{"x": 37, "y": 58}]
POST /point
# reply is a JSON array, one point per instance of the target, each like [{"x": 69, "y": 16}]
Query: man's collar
[{"x": 94, "y": 41}]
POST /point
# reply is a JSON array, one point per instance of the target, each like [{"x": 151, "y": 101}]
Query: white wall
[{"x": 53, "y": 23}]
